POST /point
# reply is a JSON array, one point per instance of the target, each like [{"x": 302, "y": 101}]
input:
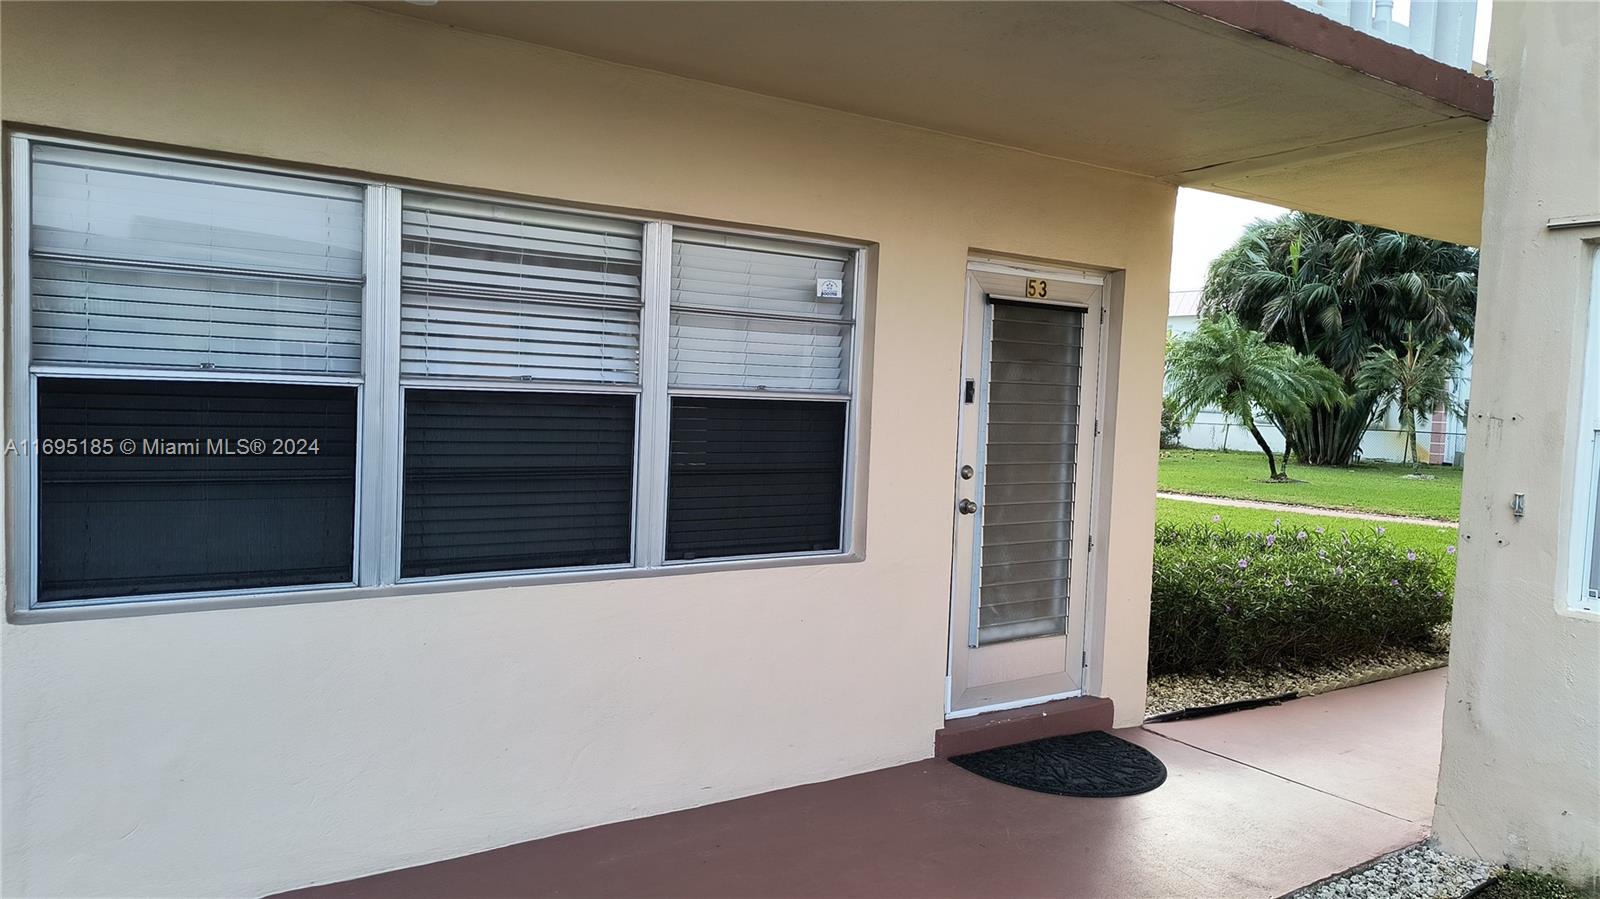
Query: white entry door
[{"x": 1023, "y": 484}]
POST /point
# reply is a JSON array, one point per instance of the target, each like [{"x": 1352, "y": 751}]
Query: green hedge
[{"x": 1225, "y": 599}]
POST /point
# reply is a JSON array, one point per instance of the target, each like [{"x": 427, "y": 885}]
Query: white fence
[{"x": 1441, "y": 441}]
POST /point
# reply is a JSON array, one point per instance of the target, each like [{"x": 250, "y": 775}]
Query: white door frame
[{"x": 1081, "y": 288}]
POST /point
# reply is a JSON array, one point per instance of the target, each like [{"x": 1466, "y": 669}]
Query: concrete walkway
[
  {"x": 1376, "y": 745},
  {"x": 1255, "y": 804},
  {"x": 1302, "y": 510}
]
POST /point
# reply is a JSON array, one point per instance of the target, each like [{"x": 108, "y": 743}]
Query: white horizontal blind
[
  {"x": 753, "y": 314},
  {"x": 497, "y": 291},
  {"x": 727, "y": 351},
  {"x": 165, "y": 264}
]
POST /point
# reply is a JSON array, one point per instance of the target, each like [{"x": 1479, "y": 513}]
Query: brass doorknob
[{"x": 966, "y": 507}]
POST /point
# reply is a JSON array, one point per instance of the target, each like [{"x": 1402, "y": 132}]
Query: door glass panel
[{"x": 1033, "y": 373}]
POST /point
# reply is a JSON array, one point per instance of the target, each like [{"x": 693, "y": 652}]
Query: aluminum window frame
[
  {"x": 851, "y": 395},
  {"x": 22, "y": 468},
  {"x": 380, "y": 395},
  {"x": 392, "y": 309},
  {"x": 1585, "y": 517}
]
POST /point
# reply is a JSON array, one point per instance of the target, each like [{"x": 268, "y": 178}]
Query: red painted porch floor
[{"x": 1256, "y": 803}]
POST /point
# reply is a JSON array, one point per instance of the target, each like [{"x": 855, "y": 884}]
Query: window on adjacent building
[
  {"x": 1590, "y": 598},
  {"x": 1585, "y": 547},
  {"x": 236, "y": 380}
]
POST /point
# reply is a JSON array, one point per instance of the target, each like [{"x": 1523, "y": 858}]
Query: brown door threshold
[{"x": 990, "y": 730}]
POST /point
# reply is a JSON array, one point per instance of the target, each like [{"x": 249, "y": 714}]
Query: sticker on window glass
[{"x": 830, "y": 288}]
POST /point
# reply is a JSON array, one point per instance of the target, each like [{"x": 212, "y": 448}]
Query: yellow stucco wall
[
  {"x": 250, "y": 750},
  {"x": 1520, "y": 779}
]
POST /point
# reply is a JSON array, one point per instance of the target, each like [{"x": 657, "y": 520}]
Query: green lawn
[
  {"x": 1367, "y": 487},
  {"x": 1417, "y": 536},
  {"x": 1528, "y": 885}
]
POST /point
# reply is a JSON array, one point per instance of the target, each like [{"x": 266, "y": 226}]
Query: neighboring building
[
  {"x": 1442, "y": 31},
  {"x": 1443, "y": 440},
  {"x": 543, "y": 415}
]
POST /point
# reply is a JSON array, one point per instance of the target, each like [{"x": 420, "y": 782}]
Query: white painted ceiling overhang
[{"x": 1169, "y": 91}]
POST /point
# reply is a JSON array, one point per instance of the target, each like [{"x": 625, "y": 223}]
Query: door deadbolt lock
[
  {"x": 967, "y": 472},
  {"x": 966, "y": 507}
]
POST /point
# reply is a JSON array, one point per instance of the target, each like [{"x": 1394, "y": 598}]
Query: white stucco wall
[
  {"x": 245, "y": 751},
  {"x": 1520, "y": 779}
]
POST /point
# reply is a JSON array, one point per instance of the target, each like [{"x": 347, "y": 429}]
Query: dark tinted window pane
[
  {"x": 515, "y": 481},
  {"x": 192, "y": 507},
  {"x": 752, "y": 477}
]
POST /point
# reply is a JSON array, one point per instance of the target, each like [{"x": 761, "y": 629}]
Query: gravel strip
[
  {"x": 1420, "y": 872},
  {"x": 1176, "y": 692}
]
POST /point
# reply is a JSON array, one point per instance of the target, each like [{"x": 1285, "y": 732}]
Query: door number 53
[{"x": 1038, "y": 289}]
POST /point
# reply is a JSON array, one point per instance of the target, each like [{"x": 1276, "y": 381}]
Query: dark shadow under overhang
[{"x": 1261, "y": 99}]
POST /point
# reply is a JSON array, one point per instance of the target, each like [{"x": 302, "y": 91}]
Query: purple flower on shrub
[
  {"x": 1300, "y": 536},
  {"x": 1411, "y": 555},
  {"x": 1439, "y": 594},
  {"x": 1338, "y": 569},
  {"x": 1271, "y": 539},
  {"x": 1321, "y": 530},
  {"x": 1277, "y": 521},
  {"x": 1244, "y": 563},
  {"x": 1393, "y": 582},
  {"x": 1227, "y": 609},
  {"x": 1288, "y": 583},
  {"x": 1450, "y": 549},
  {"x": 1216, "y": 518},
  {"x": 1380, "y": 530}
]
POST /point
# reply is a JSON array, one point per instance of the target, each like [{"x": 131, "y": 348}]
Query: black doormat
[{"x": 1087, "y": 764}]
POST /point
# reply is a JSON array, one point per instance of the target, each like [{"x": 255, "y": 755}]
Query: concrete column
[{"x": 1520, "y": 779}]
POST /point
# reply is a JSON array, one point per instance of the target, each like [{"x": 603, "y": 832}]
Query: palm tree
[
  {"x": 1237, "y": 370},
  {"x": 1336, "y": 290},
  {"x": 1414, "y": 382}
]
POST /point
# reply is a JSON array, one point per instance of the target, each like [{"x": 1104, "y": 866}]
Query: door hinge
[
  {"x": 1086, "y": 660},
  {"x": 1097, "y": 427},
  {"x": 1102, "y": 315},
  {"x": 1091, "y": 543}
]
